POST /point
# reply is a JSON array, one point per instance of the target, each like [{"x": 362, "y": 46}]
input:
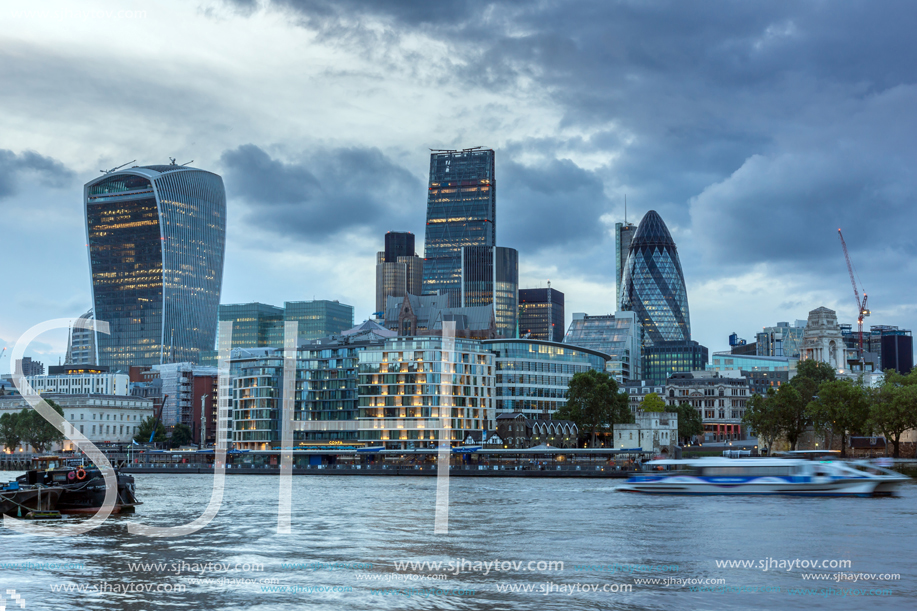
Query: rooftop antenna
[
  {"x": 117, "y": 168},
  {"x": 186, "y": 163},
  {"x": 625, "y": 208}
]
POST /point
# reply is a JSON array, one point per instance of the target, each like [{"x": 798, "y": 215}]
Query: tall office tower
[
  {"x": 254, "y": 325},
  {"x": 319, "y": 318},
  {"x": 398, "y": 244},
  {"x": 541, "y": 314},
  {"x": 399, "y": 270},
  {"x": 461, "y": 211},
  {"x": 654, "y": 285},
  {"x": 81, "y": 347},
  {"x": 490, "y": 275},
  {"x": 156, "y": 237},
  {"x": 624, "y": 235}
]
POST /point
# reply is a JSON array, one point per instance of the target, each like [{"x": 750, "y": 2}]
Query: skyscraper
[
  {"x": 490, "y": 275},
  {"x": 461, "y": 211},
  {"x": 624, "y": 235},
  {"x": 81, "y": 347},
  {"x": 399, "y": 270},
  {"x": 654, "y": 285},
  {"x": 156, "y": 239},
  {"x": 541, "y": 314}
]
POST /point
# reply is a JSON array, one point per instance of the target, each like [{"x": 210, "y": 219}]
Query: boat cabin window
[{"x": 745, "y": 471}]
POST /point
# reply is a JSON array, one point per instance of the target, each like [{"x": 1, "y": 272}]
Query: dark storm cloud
[
  {"x": 324, "y": 192},
  {"x": 547, "y": 204},
  {"x": 740, "y": 99},
  {"x": 28, "y": 165}
]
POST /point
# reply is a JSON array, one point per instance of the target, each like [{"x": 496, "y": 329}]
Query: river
[{"x": 572, "y": 543}]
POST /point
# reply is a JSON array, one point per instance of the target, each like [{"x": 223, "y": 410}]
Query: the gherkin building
[{"x": 654, "y": 285}]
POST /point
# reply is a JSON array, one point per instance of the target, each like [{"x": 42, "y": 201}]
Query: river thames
[{"x": 531, "y": 544}]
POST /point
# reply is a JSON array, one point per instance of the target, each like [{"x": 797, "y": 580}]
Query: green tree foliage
[
  {"x": 690, "y": 423},
  {"x": 36, "y": 431},
  {"x": 652, "y": 403},
  {"x": 762, "y": 418},
  {"x": 594, "y": 404},
  {"x": 146, "y": 428},
  {"x": 841, "y": 408},
  {"x": 816, "y": 371},
  {"x": 181, "y": 435},
  {"x": 893, "y": 406},
  {"x": 790, "y": 409},
  {"x": 9, "y": 431}
]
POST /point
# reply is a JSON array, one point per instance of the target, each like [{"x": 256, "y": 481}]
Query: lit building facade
[
  {"x": 156, "y": 240},
  {"x": 461, "y": 211},
  {"x": 532, "y": 376},
  {"x": 257, "y": 389},
  {"x": 399, "y": 271},
  {"x": 490, "y": 276},
  {"x": 407, "y": 391},
  {"x": 541, "y": 314},
  {"x": 619, "y": 336},
  {"x": 653, "y": 284}
]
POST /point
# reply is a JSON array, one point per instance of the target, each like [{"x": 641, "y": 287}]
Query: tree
[
  {"x": 841, "y": 408},
  {"x": 816, "y": 371},
  {"x": 9, "y": 431},
  {"x": 594, "y": 403},
  {"x": 762, "y": 418},
  {"x": 38, "y": 432},
  {"x": 690, "y": 423},
  {"x": 790, "y": 409},
  {"x": 893, "y": 408},
  {"x": 146, "y": 428},
  {"x": 181, "y": 435},
  {"x": 652, "y": 403}
]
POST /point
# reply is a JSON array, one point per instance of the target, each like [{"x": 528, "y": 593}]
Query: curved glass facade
[
  {"x": 156, "y": 239},
  {"x": 533, "y": 376},
  {"x": 654, "y": 286}
]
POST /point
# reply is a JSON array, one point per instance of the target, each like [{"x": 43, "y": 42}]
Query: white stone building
[
  {"x": 651, "y": 431},
  {"x": 823, "y": 340},
  {"x": 101, "y": 418},
  {"x": 82, "y": 384}
]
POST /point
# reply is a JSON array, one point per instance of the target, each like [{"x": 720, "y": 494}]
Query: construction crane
[{"x": 862, "y": 310}]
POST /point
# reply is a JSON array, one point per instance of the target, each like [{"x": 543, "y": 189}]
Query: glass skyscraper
[
  {"x": 318, "y": 318},
  {"x": 461, "y": 211},
  {"x": 541, "y": 314},
  {"x": 399, "y": 270},
  {"x": 490, "y": 275},
  {"x": 254, "y": 325},
  {"x": 624, "y": 235},
  {"x": 654, "y": 285},
  {"x": 156, "y": 239}
]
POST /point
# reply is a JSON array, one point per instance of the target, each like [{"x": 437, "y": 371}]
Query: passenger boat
[
  {"x": 765, "y": 476},
  {"x": 82, "y": 489}
]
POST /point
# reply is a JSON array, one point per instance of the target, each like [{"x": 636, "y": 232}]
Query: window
[{"x": 93, "y": 429}]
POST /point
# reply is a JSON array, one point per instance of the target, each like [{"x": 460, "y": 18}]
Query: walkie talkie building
[
  {"x": 461, "y": 211},
  {"x": 156, "y": 237}
]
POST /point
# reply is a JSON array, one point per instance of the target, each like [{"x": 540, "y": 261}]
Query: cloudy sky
[{"x": 755, "y": 129}]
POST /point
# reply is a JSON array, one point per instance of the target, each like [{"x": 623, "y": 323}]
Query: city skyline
[{"x": 563, "y": 171}]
